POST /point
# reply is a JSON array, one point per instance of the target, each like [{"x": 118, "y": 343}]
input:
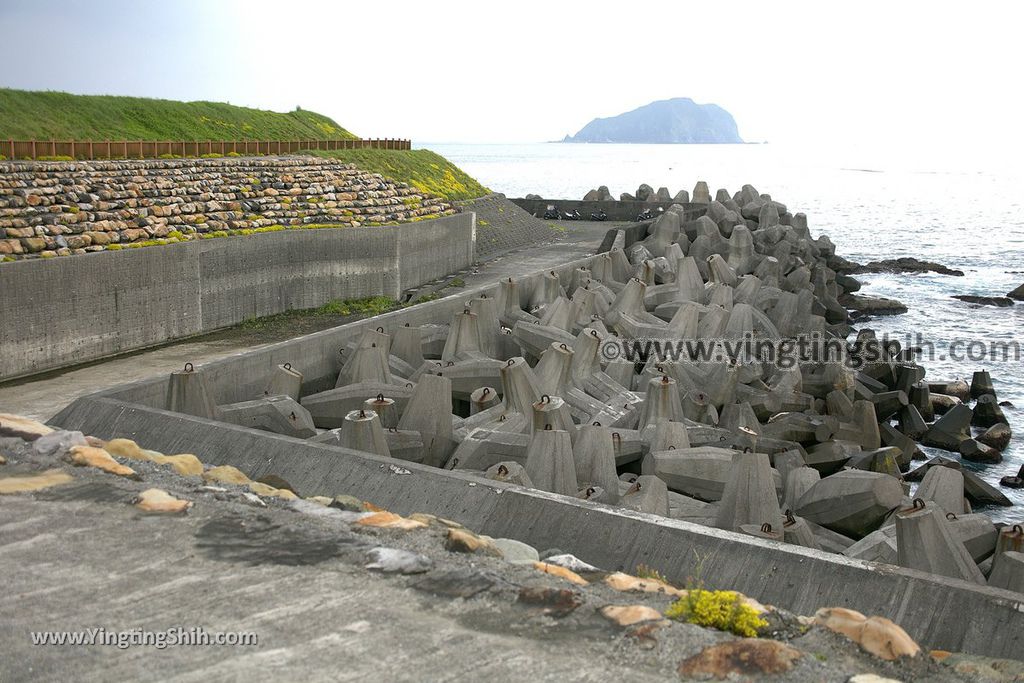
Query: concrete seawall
[
  {"x": 933, "y": 609},
  {"x": 58, "y": 312}
]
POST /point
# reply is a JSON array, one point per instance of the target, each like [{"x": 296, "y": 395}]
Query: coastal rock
[
  {"x": 872, "y": 305},
  {"x": 1017, "y": 294},
  {"x": 672, "y": 121},
  {"x": 1000, "y": 301},
  {"x": 905, "y": 264}
]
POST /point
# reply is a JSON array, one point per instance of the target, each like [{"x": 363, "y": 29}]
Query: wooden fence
[{"x": 151, "y": 149}]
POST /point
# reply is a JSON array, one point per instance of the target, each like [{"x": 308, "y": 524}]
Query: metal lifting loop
[
  {"x": 380, "y": 398},
  {"x": 951, "y": 516},
  {"x": 545, "y": 399},
  {"x": 189, "y": 367},
  {"x": 766, "y": 528},
  {"x": 502, "y": 471},
  {"x": 486, "y": 391},
  {"x": 918, "y": 504},
  {"x": 380, "y": 329},
  {"x": 596, "y": 423},
  {"x": 547, "y": 428},
  {"x": 287, "y": 366},
  {"x": 790, "y": 519},
  {"x": 510, "y": 363}
]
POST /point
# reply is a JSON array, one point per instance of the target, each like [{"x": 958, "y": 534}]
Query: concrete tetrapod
[
  {"x": 749, "y": 495},
  {"x": 278, "y": 414},
  {"x": 362, "y": 432},
  {"x": 1009, "y": 574},
  {"x": 594, "y": 457},
  {"x": 549, "y": 462},
  {"x": 852, "y": 502},
  {"x": 188, "y": 393},
  {"x": 285, "y": 381},
  {"x": 945, "y": 487},
  {"x": 429, "y": 412},
  {"x": 925, "y": 540}
]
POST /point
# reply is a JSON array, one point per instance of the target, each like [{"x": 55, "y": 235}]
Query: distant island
[{"x": 679, "y": 120}]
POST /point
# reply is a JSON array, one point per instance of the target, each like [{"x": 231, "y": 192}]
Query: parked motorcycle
[
  {"x": 551, "y": 214},
  {"x": 599, "y": 216},
  {"x": 572, "y": 216},
  {"x": 644, "y": 215}
]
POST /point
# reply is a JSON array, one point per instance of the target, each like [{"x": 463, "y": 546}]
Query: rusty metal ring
[
  {"x": 189, "y": 367},
  {"x": 380, "y": 398},
  {"x": 545, "y": 398},
  {"x": 918, "y": 504},
  {"x": 287, "y": 366},
  {"x": 486, "y": 391},
  {"x": 502, "y": 471},
  {"x": 951, "y": 516},
  {"x": 790, "y": 519},
  {"x": 510, "y": 363},
  {"x": 596, "y": 423},
  {"x": 766, "y": 528},
  {"x": 380, "y": 329},
  {"x": 548, "y": 427}
]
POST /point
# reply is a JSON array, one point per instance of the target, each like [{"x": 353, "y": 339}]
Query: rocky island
[{"x": 679, "y": 120}]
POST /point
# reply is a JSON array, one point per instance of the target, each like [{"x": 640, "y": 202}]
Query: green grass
[
  {"x": 26, "y": 114},
  {"x": 427, "y": 171}
]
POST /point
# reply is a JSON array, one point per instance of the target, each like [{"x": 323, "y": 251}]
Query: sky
[{"x": 892, "y": 73}]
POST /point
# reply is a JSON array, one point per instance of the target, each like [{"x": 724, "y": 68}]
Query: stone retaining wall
[{"x": 64, "y": 208}]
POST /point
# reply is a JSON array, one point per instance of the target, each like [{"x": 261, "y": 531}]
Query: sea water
[{"x": 960, "y": 207}]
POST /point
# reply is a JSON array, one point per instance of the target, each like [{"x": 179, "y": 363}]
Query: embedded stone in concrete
[
  {"x": 852, "y": 502},
  {"x": 278, "y": 414}
]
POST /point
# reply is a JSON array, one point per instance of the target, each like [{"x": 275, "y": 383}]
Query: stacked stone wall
[{"x": 50, "y": 209}]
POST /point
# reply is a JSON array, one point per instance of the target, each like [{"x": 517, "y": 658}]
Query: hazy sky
[{"x": 896, "y": 72}]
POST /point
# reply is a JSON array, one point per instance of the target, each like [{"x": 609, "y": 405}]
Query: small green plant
[
  {"x": 645, "y": 572},
  {"x": 115, "y": 247},
  {"x": 8, "y": 259},
  {"x": 3, "y": 158},
  {"x": 58, "y": 157},
  {"x": 457, "y": 282},
  {"x": 722, "y": 610},
  {"x": 48, "y": 254},
  {"x": 232, "y": 154},
  {"x": 211, "y": 155}
]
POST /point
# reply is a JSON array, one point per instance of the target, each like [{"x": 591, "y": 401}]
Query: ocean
[{"x": 958, "y": 207}]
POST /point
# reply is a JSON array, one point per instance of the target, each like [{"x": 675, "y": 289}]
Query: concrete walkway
[{"x": 42, "y": 396}]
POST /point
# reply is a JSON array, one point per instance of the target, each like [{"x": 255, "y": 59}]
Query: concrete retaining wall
[
  {"x": 58, "y": 312},
  {"x": 616, "y": 210}
]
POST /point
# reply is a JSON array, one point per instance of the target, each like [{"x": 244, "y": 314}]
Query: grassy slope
[
  {"x": 28, "y": 114},
  {"x": 425, "y": 170}
]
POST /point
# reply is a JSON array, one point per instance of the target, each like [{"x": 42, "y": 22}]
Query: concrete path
[{"x": 42, "y": 396}]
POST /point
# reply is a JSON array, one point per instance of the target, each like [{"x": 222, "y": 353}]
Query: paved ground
[
  {"x": 42, "y": 396},
  {"x": 80, "y": 556}
]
